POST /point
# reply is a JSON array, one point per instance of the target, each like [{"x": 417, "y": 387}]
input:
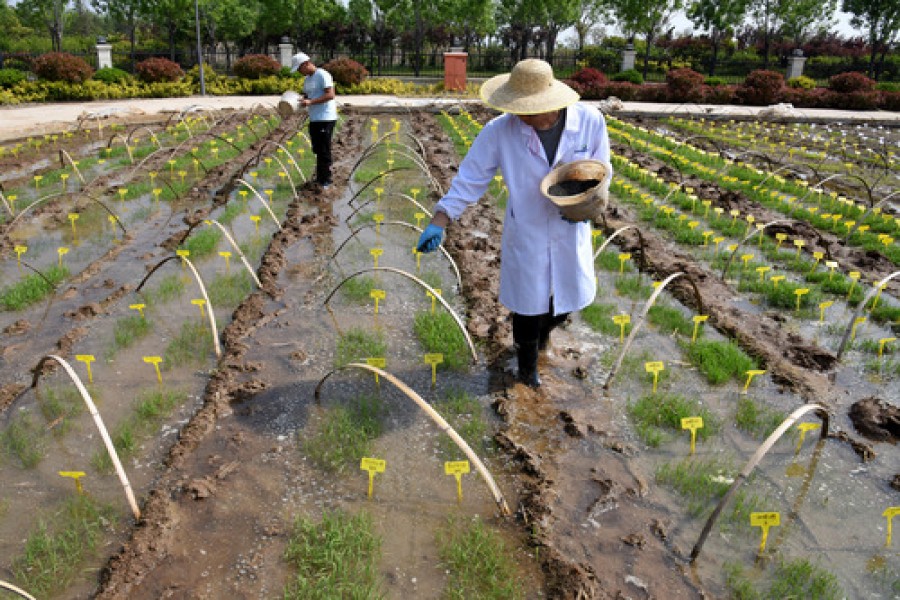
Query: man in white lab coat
[{"x": 546, "y": 267}]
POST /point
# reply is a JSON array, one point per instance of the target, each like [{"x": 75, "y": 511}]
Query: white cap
[{"x": 297, "y": 60}]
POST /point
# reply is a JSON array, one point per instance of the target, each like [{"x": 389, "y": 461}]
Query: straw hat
[{"x": 529, "y": 90}]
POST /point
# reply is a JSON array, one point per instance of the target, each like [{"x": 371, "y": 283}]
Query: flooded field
[{"x": 302, "y": 406}]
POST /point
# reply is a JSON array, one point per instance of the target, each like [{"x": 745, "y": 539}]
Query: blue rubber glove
[{"x": 431, "y": 238}]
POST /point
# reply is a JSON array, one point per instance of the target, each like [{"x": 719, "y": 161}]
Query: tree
[
  {"x": 557, "y": 15},
  {"x": 645, "y": 17},
  {"x": 880, "y": 20},
  {"x": 590, "y": 13},
  {"x": 229, "y": 21},
  {"x": 717, "y": 18},
  {"x": 45, "y": 13},
  {"x": 176, "y": 17},
  {"x": 123, "y": 14},
  {"x": 793, "y": 19}
]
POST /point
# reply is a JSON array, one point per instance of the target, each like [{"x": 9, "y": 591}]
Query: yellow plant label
[
  {"x": 372, "y": 465},
  {"x": 76, "y": 475},
  {"x": 804, "y": 428},
  {"x": 20, "y": 250},
  {"x": 654, "y": 366},
  {"x": 692, "y": 423},
  {"x": 456, "y": 467},
  {"x": 377, "y": 361},
  {"x": 818, "y": 255},
  {"x": 765, "y": 520},
  {"x": 750, "y": 375},
  {"x": 890, "y": 513},
  {"x": 378, "y": 294},
  {"x": 155, "y": 360},
  {"x": 882, "y": 342},
  {"x": 183, "y": 253},
  {"x": 434, "y": 359}
]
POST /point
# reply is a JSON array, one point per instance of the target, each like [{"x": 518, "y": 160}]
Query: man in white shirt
[
  {"x": 546, "y": 268},
  {"x": 318, "y": 97}
]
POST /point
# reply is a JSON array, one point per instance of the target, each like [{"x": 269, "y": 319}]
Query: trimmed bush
[
  {"x": 720, "y": 94},
  {"x": 256, "y": 66},
  {"x": 801, "y": 83},
  {"x": 111, "y": 75},
  {"x": 158, "y": 70},
  {"x": 631, "y": 76},
  {"x": 890, "y": 100},
  {"x": 761, "y": 87},
  {"x": 887, "y": 86},
  {"x": 61, "y": 66},
  {"x": 685, "y": 85},
  {"x": 346, "y": 71},
  {"x": 10, "y": 77},
  {"x": 852, "y": 81},
  {"x": 715, "y": 81}
]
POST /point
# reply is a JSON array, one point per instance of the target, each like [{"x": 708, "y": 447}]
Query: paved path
[{"x": 16, "y": 121}]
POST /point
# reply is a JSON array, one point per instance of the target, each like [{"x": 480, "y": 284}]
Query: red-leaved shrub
[
  {"x": 589, "y": 76},
  {"x": 346, "y": 71},
  {"x": 685, "y": 85},
  {"x": 761, "y": 87},
  {"x": 890, "y": 101},
  {"x": 851, "y": 81},
  {"x": 61, "y": 66},
  {"x": 254, "y": 66},
  {"x": 155, "y": 70},
  {"x": 720, "y": 94}
]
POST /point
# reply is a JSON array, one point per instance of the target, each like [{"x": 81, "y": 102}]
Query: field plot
[{"x": 219, "y": 380}]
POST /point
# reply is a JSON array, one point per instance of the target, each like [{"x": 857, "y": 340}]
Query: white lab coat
[{"x": 542, "y": 255}]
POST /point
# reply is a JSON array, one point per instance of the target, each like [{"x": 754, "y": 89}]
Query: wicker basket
[{"x": 579, "y": 188}]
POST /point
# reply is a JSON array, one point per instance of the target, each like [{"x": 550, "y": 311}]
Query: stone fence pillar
[
  {"x": 628, "y": 55},
  {"x": 286, "y": 51},
  {"x": 104, "y": 53},
  {"x": 795, "y": 64}
]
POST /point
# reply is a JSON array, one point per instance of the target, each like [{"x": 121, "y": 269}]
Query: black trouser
[
  {"x": 320, "y": 133},
  {"x": 535, "y": 329}
]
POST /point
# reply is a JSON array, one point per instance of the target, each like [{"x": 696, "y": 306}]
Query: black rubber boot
[{"x": 528, "y": 358}]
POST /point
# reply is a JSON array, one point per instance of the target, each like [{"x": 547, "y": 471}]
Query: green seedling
[
  {"x": 465, "y": 415},
  {"x": 203, "y": 243},
  {"x": 794, "y": 579},
  {"x": 700, "y": 482},
  {"x": 718, "y": 361},
  {"x": 439, "y": 333},
  {"x": 32, "y": 289},
  {"x": 633, "y": 287},
  {"x": 655, "y": 417},
  {"x": 599, "y": 318},
  {"x": 359, "y": 344},
  {"x": 358, "y": 289},
  {"x": 336, "y": 558},
  {"x": 229, "y": 289},
  {"x": 345, "y": 434},
  {"x": 190, "y": 346},
  {"x": 478, "y": 562},
  {"x": 669, "y": 320},
  {"x": 55, "y": 550},
  {"x": 169, "y": 288},
  {"x": 147, "y": 412},
  {"x": 757, "y": 419},
  {"x": 60, "y": 406},
  {"x": 128, "y": 330},
  {"x": 23, "y": 441}
]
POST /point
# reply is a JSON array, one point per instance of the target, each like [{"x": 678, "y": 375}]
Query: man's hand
[{"x": 431, "y": 238}]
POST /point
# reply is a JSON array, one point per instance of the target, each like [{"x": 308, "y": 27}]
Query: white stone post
[
  {"x": 795, "y": 64},
  {"x": 628, "y": 55},
  {"x": 286, "y": 49},
  {"x": 104, "y": 53}
]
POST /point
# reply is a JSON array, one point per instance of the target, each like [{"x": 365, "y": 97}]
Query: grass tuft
[
  {"x": 438, "y": 332},
  {"x": 202, "y": 243},
  {"x": 190, "y": 347},
  {"x": 128, "y": 330},
  {"x": 653, "y": 415},
  {"x": 345, "y": 434},
  {"x": 54, "y": 551},
  {"x": 229, "y": 290},
  {"x": 464, "y": 414},
  {"x": 358, "y": 345},
  {"x": 169, "y": 288},
  {"x": 669, "y": 319},
  {"x": 336, "y": 558},
  {"x": 719, "y": 361},
  {"x": 23, "y": 441},
  {"x": 478, "y": 562},
  {"x": 357, "y": 289},
  {"x": 599, "y": 318},
  {"x": 32, "y": 289},
  {"x": 757, "y": 419},
  {"x": 792, "y": 579},
  {"x": 699, "y": 481}
]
